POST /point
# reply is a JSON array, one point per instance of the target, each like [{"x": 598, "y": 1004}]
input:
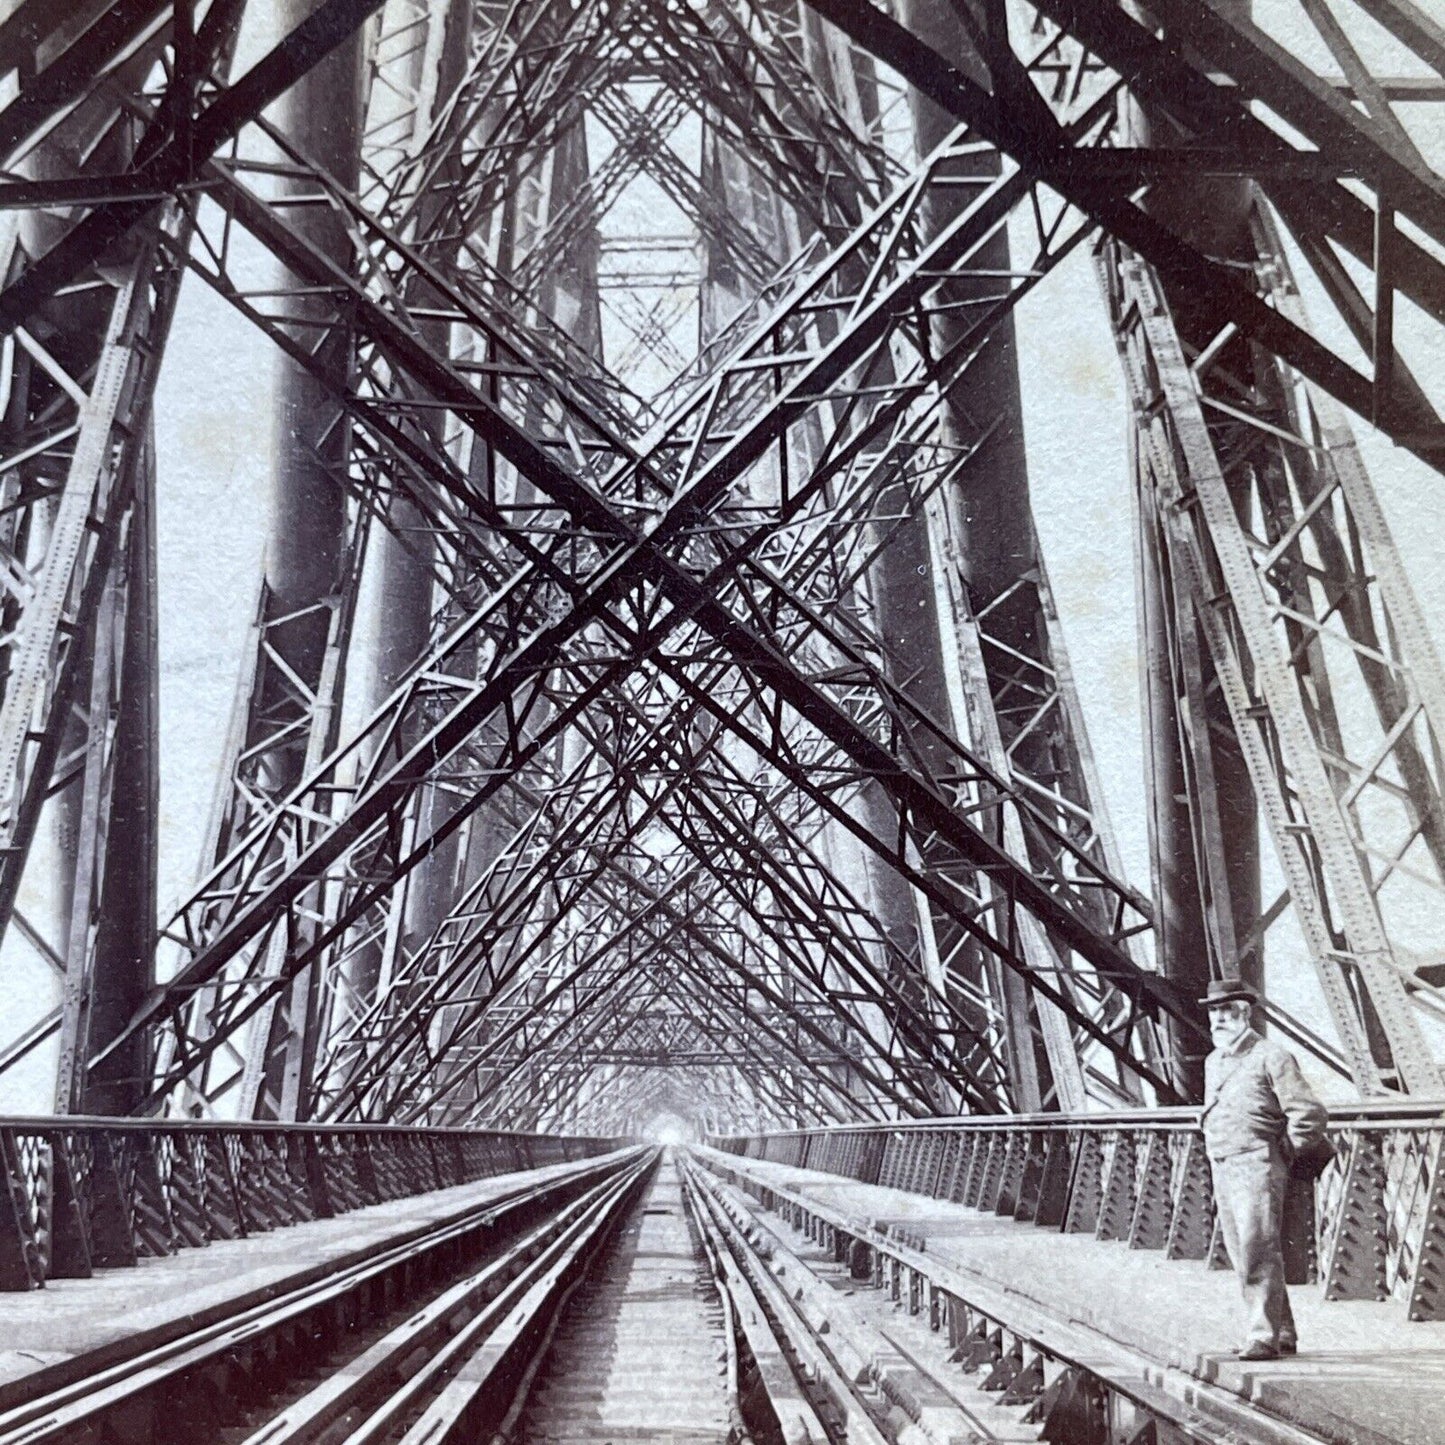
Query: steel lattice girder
[
  {"x": 501, "y": 77},
  {"x": 1346, "y": 868},
  {"x": 835, "y": 363},
  {"x": 288, "y": 710},
  {"x": 80, "y": 382},
  {"x": 708, "y": 1036},
  {"x": 57, "y": 80},
  {"x": 487, "y": 914},
  {"x": 524, "y": 890},
  {"x": 468, "y": 906},
  {"x": 166, "y": 164},
  {"x": 1336, "y": 860},
  {"x": 100, "y": 360},
  {"x": 1030, "y": 135},
  {"x": 783, "y": 877},
  {"x": 497, "y": 1061}
]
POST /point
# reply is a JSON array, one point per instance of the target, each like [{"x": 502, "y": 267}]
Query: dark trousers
[{"x": 1249, "y": 1192}]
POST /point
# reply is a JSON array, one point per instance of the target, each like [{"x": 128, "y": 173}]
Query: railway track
[
  {"x": 638, "y": 1297},
  {"x": 641, "y": 1350},
  {"x": 821, "y": 1365},
  {"x": 908, "y": 1324},
  {"x": 632, "y": 1299},
  {"x": 300, "y": 1365},
  {"x": 791, "y": 1358}
]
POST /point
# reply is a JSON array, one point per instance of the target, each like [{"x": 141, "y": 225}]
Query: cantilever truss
[{"x": 668, "y": 809}]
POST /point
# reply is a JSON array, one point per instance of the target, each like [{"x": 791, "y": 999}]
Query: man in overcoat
[{"x": 1259, "y": 1116}]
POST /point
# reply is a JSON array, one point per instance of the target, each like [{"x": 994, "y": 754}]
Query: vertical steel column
[
  {"x": 1203, "y": 821},
  {"x": 423, "y": 77},
  {"x": 105, "y": 811},
  {"x": 121, "y": 831},
  {"x": 432, "y": 38},
  {"x": 902, "y": 599},
  {"x": 989, "y": 501},
  {"x": 305, "y": 547}
]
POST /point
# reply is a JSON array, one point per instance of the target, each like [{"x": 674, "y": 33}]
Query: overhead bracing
[
  {"x": 656, "y": 775},
  {"x": 830, "y": 360}
]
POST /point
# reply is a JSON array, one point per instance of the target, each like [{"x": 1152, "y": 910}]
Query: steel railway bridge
[{"x": 661, "y": 968}]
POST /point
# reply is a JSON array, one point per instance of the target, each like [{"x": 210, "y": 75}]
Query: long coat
[{"x": 1255, "y": 1094}]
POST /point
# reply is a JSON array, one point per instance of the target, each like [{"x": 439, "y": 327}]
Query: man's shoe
[
  {"x": 1259, "y": 1350},
  {"x": 1286, "y": 1347}
]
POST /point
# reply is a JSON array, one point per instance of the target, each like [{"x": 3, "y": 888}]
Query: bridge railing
[
  {"x": 78, "y": 1194},
  {"x": 1372, "y": 1227}
]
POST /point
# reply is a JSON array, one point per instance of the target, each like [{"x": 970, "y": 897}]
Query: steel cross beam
[
  {"x": 741, "y": 820},
  {"x": 485, "y": 915},
  {"x": 733, "y": 820},
  {"x": 626, "y": 882},
  {"x": 641, "y": 148},
  {"x": 170, "y": 161},
  {"x": 758, "y": 1060},
  {"x": 763, "y": 1048},
  {"x": 1031, "y": 136},
  {"x": 533, "y": 1034},
  {"x": 532, "y": 79},
  {"x": 548, "y": 1032},
  {"x": 575, "y": 1035},
  {"x": 1321, "y": 213},
  {"x": 1344, "y": 860},
  {"x": 555, "y": 878},
  {"x": 750, "y": 77},
  {"x": 59, "y": 76},
  {"x": 287, "y": 708},
  {"x": 588, "y": 507},
  {"x": 288, "y": 736},
  {"x": 1089, "y": 1001},
  {"x": 787, "y": 929},
  {"x": 685, "y": 767},
  {"x": 468, "y": 907},
  {"x": 305, "y": 726}
]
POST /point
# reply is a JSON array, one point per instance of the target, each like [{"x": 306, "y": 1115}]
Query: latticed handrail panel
[
  {"x": 81, "y": 1194},
  {"x": 1141, "y": 1177}
]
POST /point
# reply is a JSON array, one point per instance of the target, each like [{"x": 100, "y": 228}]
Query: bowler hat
[{"x": 1226, "y": 990}]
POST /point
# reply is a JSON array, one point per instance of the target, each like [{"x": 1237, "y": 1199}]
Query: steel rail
[
  {"x": 746, "y": 1318},
  {"x": 466, "y": 1383},
  {"x": 1080, "y": 1387},
  {"x": 60, "y": 1413},
  {"x": 450, "y": 1329},
  {"x": 845, "y": 1364}
]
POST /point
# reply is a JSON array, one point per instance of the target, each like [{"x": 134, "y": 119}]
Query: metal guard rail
[
  {"x": 86, "y": 1193},
  {"x": 1378, "y": 1228}
]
